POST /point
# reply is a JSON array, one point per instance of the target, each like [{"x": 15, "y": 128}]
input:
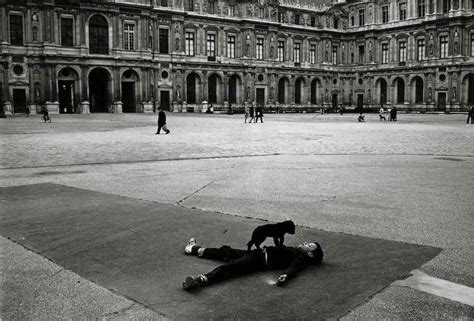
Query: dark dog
[{"x": 277, "y": 231}]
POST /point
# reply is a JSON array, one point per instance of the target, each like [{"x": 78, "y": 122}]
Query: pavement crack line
[{"x": 195, "y": 192}]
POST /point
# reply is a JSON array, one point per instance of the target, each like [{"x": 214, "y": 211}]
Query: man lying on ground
[{"x": 242, "y": 262}]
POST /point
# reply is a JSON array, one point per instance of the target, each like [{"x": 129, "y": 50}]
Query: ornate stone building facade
[{"x": 134, "y": 55}]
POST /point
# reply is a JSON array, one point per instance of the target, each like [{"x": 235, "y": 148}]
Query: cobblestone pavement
[
  {"x": 89, "y": 139},
  {"x": 407, "y": 181}
]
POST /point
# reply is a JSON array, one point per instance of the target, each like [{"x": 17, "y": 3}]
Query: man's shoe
[
  {"x": 191, "y": 282},
  {"x": 189, "y": 247}
]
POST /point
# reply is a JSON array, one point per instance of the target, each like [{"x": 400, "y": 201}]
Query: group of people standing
[{"x": 253, "y": 114}]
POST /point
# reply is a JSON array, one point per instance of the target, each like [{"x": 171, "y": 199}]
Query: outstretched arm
[{"x": 292, "y": 271}]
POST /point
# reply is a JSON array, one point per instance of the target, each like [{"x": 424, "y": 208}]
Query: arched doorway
[
  {"x": 129, "y": 82},
  {"x": 99, "y": 90},
  {"x": 234, "y": 93},
  {"x": 282, "y": 90},
  {"x": 98, "y": 35},
  {"x": 192, "y": 88},
  {"x": 418, "y": 90},
  {"x": 382, "y": 91},
  {"x": 67, "y": 78},
  {"x": 315, "y": 85},
  {"x": 468, "y": 90},
  {"x": 400, "y": 90},
  {"x": 214, "y": 84},
  {"x": 299, "y": 88}
]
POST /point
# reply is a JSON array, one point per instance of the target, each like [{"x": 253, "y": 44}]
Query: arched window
[{"x": 98, "y": 35}]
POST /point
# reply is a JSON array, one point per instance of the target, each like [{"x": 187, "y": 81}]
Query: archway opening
[
  {"x": 282, "y": 86},
  {"x": 419, "y": 90},
  {"x": 400, "y": 90},
  {"x": 129, "y": 83},
  {"x": 233, "y": 89},
  {"x": 298, "y": 91},
  {"x": 99, "y": 90},
  {"x": 66, "y": 90},
  {"x": 382, "y": 91},
  {"x": 212, "y": 86},
  {"x": 470, "y": 89},
  {"x": 314, "y": 91},
  {"x": 191, "y": 92}
]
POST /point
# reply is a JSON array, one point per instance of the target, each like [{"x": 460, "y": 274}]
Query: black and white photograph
[{"x": 236, "y": 160}]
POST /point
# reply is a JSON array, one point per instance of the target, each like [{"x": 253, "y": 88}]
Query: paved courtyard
[{"x": 408, "y": 182}]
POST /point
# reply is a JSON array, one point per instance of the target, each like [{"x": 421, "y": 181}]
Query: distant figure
[
  {"x": 259, "y": 114},
  {"x": 381, "y": 114},
  {"x": 393, "y": 114},
  {"x": 341, "y": 110},
  {"x": 45, "y": 114},
  {"x": 252, "y": 114},
  {"x": 27, "y": 111},
  {"x": 361, "y": 118},
  {"x": 470, "y": 115},
  {"x": 162, "y": 122},
  {"x": 247, "y": 113}
]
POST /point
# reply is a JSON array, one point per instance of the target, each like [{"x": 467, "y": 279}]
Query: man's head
[{"x": 313, "y": 250}]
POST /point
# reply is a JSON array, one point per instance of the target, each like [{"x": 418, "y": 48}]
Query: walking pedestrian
[
  {"x": 247, "y": 112},
  {"x": 393, "y": 114},
  {"x": 259, "y": 114},
  {"x": 470, "y": 115},
  {"x": 251, "y": 114},
  {"x": 162, "y": 122},
  {"x": 45, "y": 112}
]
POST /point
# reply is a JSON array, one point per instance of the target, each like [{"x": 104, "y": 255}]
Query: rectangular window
[
  {"x": 472, "y": 43},
  {"x": 361, "y": 17},
  {"x": 231, "y": 11},
  {"x": 189, "y": 46},
  {"x": 296, "y": 52},
  {"x": 352, "y": 21},
  {"x": 402, "y": 51},
  {"x": 259, "y": 49},
  {"x": 67, "y": 36},
  {"x": 281, "y": 17},
  {"x": 334, "y": 55},
  {"x": 281, "y": 50},
  {"x": 421, "y": 8},
  {"x": 385, "y": 14},
  {"x": 129, "y": 36},
  {"x": 189, "y": 5},
  {"x": 421, "y": 49},
  {"x": 402, "y": 8},
  {"x": 261, "y": 13},
  {"x": 16, "y": 30},
  {"x": 164, "y": 41},
  {"x": 313, "y": 21},
  {"x": 385, "y": 53},
  {"x": 164, "y": 3},
  {"x": 443, "y": 47},
  {"x": 212, "y": 7},
  {"x": 297, "y": 19},
  {"x": 312, "y": 53},
  {"x": 211, "y": 45},
  {"x": 231, "y": 46}
]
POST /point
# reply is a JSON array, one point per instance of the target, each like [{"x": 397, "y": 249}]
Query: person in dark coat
[
  {"x": 470, "y": 115},
  {"x": 252, "y": 114},
  {"x": 45, "y": 113},
  {"x": 241, "y": 262},
  {"x": 393, "y": 114},
  {"x": 162, "y": 122}
]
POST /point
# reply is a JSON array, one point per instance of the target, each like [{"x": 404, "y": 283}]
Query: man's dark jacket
[{"x": 161, "y": 118}]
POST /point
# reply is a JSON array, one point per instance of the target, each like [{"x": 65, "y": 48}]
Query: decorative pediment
[{"x": 19, "y": 83}]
